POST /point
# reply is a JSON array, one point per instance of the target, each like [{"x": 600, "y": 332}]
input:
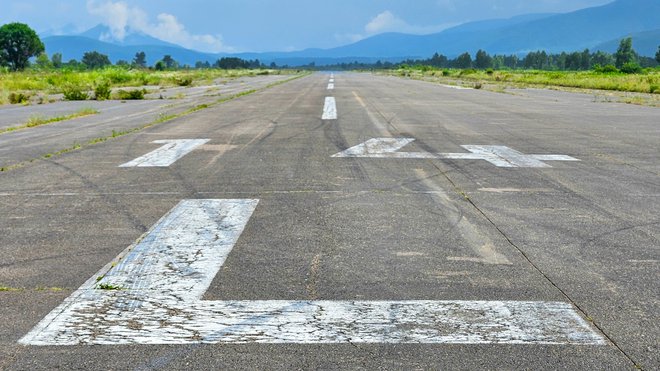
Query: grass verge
[
  {"x": 79, "y": 83},
  {"x": 648, "y": 82},
  {"x": 35, "y": 121}
]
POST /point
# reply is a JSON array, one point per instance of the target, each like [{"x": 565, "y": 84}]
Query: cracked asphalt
[{"x": 585, "y": 233}]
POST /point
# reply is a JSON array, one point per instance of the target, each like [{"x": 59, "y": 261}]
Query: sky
[{"x": 267, "y": 25}]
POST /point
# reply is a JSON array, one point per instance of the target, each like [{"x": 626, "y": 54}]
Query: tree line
[
  {"x": 625, "y": 59},
  {"x": 96, "y": 60}
]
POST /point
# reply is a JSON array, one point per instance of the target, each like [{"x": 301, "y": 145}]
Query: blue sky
[{"x": 267, "y": 25}]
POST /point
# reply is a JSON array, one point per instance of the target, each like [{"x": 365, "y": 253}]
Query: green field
[
  {"x": 647, "y": 82},
  {"x": 36, "y": 86}
]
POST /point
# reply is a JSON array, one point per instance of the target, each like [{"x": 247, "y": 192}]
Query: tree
[
  {"x": 231, "y": 63},
  {"x": 43, "y": 62},
  {"x": 464, "y": 61},
  {"x": 140, "y": 60},
  {"x": 439, "y": 60},
  {"x": 160, "y": 66},
  {"x": 657, "y": 54},
  {"x": 625, "y": 53},
  {"x": 170, "y": 62},
  {"x": 95, "y": 60},
  {"x": 483, "y": 60},
  {"x": 56, "y": 60},
  {"x": 537, "y": 60},
  {"x": 602, "y": 59},
  {"x": 18, "y": 43}
]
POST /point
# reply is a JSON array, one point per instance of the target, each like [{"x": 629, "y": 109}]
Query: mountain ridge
[{"x": 593, "y": 28}]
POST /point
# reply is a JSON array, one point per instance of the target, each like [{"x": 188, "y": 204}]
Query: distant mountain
[
  {"x": 594, "y": 28},
  {"x": 102, "y": 33},
  {"x": 644, "y": 43},
  {"x": 74, "y": 47},
  {"x": 493, "y": 24},
  {"x": 578, "y": 30}
]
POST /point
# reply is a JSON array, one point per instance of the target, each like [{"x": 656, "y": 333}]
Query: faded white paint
[
  {"x": 329, "y": 109},
  {"x": 457, "y": 87},
  {"x": 331, "y": 86},
  {"x": 164, "y": 276},
  {"x": 169, "y": 153},
  {"x": 500, "y": 156},
  {"x": 332, "y": 80}
]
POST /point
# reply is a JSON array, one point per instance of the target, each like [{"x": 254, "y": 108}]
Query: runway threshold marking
[
  {"x": 500, "y": 156},
  {"x": 169, "y": 153},
  {"x": 329, "y": 109},
  {"x": 152, "y": 294},
  {"x": 331, "y": 86}
]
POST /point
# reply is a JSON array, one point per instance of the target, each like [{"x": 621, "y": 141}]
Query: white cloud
[
  {"x": 385, "y": 22},
  {"x": 388, "y": 22},
  {"x": 122, "y": 18}
]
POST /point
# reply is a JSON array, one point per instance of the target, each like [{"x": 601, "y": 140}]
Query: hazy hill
[
  {"x": 578, "y": 30},
  {"x": 101, "y": 33},
  {"x": 594, "y": 28},
  {"x": 645, "y": 43},
  {"x": 74, "y": 47}
]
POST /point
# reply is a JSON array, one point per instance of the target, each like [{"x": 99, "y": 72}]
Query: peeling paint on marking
[
  {"x": 164, "y": 276},
  {"x": 331, "y": 86},
  {"x": 500, "y": 156},
  {"x": 169, "y": 153},
  {"x": 329, "y": 109}
]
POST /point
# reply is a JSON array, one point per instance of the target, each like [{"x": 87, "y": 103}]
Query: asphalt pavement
[{"x": 417, "y": 226}]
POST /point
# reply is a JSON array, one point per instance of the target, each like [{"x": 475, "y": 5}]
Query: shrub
[
  {"x": 74, "y": 92},
  {"x": 468, "y": 71},
  {"x": 478, "y": 85},
  {"x": 18, "y": 98},
  {"x": 184, "y": 81},
  {"x": 102, "y": 91},
  {"x": 131, "y": 94},
  {"x": 654, "y": 88},
  {"x": 446, "y": 72},
  {"x": 489, "y": 72},
  {"x": 631, "y": 67},
  {"x": 118, "y": 75}
]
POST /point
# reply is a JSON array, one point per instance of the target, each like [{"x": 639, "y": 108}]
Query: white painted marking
[
  {"x": 331, "y": 80},
  {"x": 457, "y": 87},
  {"x": 329, "y": 109},
  {"x": 500, "y": 156},
  {"x": 169, "y": 153},
  {"x": 164, "y": 276},
  {"x": 331, "y": 86}
]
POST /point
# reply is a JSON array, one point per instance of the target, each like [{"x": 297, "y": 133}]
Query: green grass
[
  {"x": 648, "y": 82},
  {"x": 7, "y": 289},
  {"x": 32, "y": 82},
  {"x": 40, "y": 120},
  {"x": 108, "y": 286}
]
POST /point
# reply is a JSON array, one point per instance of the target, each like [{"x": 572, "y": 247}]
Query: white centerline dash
[{"x": 329, "y": 109}]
